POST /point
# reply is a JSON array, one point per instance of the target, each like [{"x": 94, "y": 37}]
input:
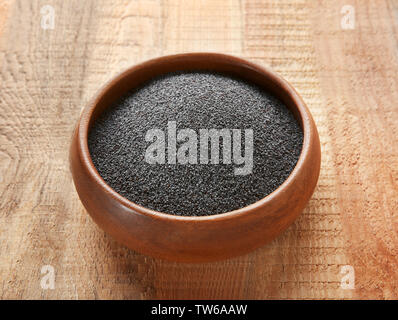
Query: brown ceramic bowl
[{"x": 204, "y": 238}]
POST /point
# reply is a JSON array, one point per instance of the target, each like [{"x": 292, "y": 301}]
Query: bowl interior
[{"x": 139, "y": 74}]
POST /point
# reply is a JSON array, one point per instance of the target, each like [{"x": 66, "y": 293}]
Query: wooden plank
[
  {"x": 358, "y": 76},
  {"x": 347, "y": 77}
]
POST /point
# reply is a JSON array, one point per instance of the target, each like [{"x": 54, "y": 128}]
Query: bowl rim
[{"x": 303, "y": 112}]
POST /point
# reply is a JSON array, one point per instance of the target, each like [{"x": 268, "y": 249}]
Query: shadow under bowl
[{"x": 198, "y": 238}]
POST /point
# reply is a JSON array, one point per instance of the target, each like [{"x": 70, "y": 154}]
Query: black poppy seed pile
[{"x": 196, "y": 100}]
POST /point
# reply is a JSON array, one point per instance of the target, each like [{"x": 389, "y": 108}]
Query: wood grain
[{"x": 347, "y": 77}]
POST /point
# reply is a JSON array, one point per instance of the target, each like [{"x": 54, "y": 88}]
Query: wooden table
[{"x": 346, "y": 71}]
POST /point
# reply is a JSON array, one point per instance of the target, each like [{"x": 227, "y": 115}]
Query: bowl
[{"x": 197, "y": 238}]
